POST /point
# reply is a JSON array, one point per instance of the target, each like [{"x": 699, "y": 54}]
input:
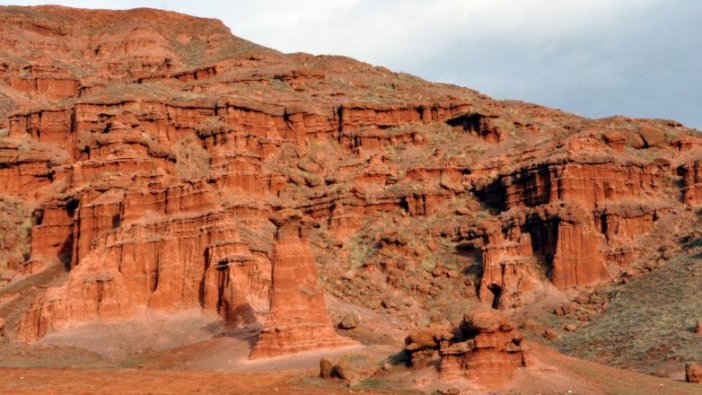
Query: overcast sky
[{"x": 641, "y": 58}]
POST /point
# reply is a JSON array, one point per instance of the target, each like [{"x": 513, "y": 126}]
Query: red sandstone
[{"x": 146, "y": 152}]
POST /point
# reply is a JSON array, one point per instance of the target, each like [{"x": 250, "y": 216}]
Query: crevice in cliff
[
  {"x": 38, "y": 217},
  {"x": 72, "y": 206},
  {"x": 496, "y": 291},
  {"x": 222, "y": 284},
  {"x": 66, "y": 252},
  {"x": 116, "y": 221},
  {"x": 340, "y": 122},
  {"x": 404, "y": 204},
  {"x": 65, "y": 255},
  {"x": 494, "y": 195},
  {"x": 468, "y": 122},
  {"x": 154, "y": 281},
  {"x": 544, "y": 240},
  {"x": 604, "y": 225}
]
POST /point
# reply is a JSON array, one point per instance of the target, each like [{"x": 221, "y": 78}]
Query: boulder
[
  {"x": 483, "y": 321},
  {"x": 488, "y": 350},
  {"x": 326, "y": 368},
  {"x": 635, "y": 140},
  {"x": 357, "y": 365},
  {"x": 652, "y": 136},
  {"x": 422, "y": 344},
  {"x": 618, "y": 139},
  {"x": 693, "y": 373},
  {"x": 349, "y": 321},
  {"x": 551, "y": 334},
  {"x": 352, "y": 367},
  {"x": 427, "y": 338}
]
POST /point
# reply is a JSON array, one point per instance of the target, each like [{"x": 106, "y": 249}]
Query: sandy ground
[
  {"x": 81, "y": 381},
  {"x": 548, "y": 373}
]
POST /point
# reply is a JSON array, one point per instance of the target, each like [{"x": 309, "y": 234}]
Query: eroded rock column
[{"x": 298, "y": 319}]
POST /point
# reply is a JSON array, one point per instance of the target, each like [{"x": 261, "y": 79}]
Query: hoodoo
[
  {"x": 298, "y": 320},
  {"x": 487, "y": 350}
]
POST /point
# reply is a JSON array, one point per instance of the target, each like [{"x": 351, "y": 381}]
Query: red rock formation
[
  {"x": 590, "y": 185},
  {"x": 488, "y": 351},
  {"x": 298, "y": 320},
  {"x": 566, "y": 210},
  {"x": 577, "y": 259},
  {"x": 52, "y": 87},
  {"x": 508, "y": 269},
  {"x": 693, "y": 373},
  {"x": 92, "y": 292},
  {"x": 559, "y": 239},
  {"x": 168, "y": 265},
  {"x": 692, "y": 182},
  {"x": 485, "y": 348},
  {"x": 150, "y": 159}
]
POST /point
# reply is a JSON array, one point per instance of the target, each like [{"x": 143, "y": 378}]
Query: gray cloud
[{"x": 593, "y": 57}]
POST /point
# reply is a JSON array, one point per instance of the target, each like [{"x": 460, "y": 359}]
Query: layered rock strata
[
  {"x": 149, "y": 149},
  {"x": 485, "y": 348},
  {"x": 488, "y": 350},
  {"x": 566, "y": 222}
]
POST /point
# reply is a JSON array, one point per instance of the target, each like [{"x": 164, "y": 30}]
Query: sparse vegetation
[
  {"x": 359, "y": 251},
  {"x": 15, "y": 227},
  {"x": 192, "y": 161},
  {"x": 649, "y": 323},
  {"x": 210, "y": 126},
  {"x": 84, "y": 140}
]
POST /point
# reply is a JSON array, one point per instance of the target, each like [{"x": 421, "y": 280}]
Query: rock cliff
[{"x": 146, "y": 151}]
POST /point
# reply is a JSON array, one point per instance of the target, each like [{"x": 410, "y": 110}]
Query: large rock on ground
[
  {"x": 488, "y": 351},
  {"x": 422, "y": 344},
  {"x": 693, "y": 373},
  {"x": 349, "y": 321}
]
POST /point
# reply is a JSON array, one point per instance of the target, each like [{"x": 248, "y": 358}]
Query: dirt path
[
  {"x": 231, "y": 354},
  {"x": 125, "y": 382}
]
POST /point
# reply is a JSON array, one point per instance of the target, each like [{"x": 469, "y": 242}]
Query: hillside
[{"x": 161, "y": 176}]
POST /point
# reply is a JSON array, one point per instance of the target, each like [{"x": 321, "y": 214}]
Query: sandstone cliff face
[
  {"x": 149, "y": 169},
  {"x": 92, "y": 292},
  {"x": 576, "y": 216},
  {"x": 692, "y": 182},
  {"x": 170, "y": 265}
]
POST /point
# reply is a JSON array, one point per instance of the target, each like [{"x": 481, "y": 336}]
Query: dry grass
[
  {"x": 15, "y": 226},
  {"x": 649, "y": 324}
]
